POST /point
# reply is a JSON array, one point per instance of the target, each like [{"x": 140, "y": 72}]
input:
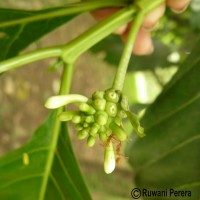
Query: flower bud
[
  {"x": 67, "y": 116},
  {"x": 89, "y": 119},
  {"x": 98, "y": 95},
  {"x": 79, "y": 127},
  {"x": 85, "y": 125},
  {"x": 94, "y": 129},
  {"x": 103, "y": 137},
  {"x": 101, "y": 118},
  {"x": 118, "y": 131},
  {"x": 111, "y": 95},
  {"x": 111, "y": 109},
  {"x": 76, "y": 119},
  {"x": 91, "y": 141},
  {"x": 99, "y": 104},
  {"x": 84, "y": 107},
  {"x": 109, "y": 159},
  {"x": 82, "y": 134}
]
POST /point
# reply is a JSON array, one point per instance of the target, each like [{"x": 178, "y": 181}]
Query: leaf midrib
[{"x": 50, "y": 156}]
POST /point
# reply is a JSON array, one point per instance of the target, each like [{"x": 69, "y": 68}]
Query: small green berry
[
  {"x": 85, "y": 125},
  {"x": 103, "y": 137},
  {"x": 89, "y": 119},
  {"x": 111, "y": 95},
  {"x": 99, "y": 104},
  {"x": 94, "y": 129},
  {"x": 79, "y": 127},
  {"x": 98, "y": 95},
  {"x": 66, "y": 116},
  {"x": 111, "y": 109},
  {"x": 101, "y": 118},
  {"x": 91, "y": 141},
  {"x": 82, "y": 134},
  {"x": 84, "y": 107},
  {"x": 76, "y": 119}
]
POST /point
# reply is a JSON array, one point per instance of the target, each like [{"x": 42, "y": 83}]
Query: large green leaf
[
  {"x": 168, "y": 157},
  {"x": 23, "y": 172},
  {"x": 15, "y": 38}
]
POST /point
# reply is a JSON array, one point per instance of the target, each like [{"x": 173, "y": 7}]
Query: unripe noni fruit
[
  {"x": 99, "y": 104},
  {"x": 82, "y": 134},
  {"x": 98, "y": 95},
  {"x": 111, "y": 95},
  {"x": 103, "y": 136},
  {"x": 94, "y": 129},
  {"x": 101, "y": 118},
  {"x": 111, "y": 109},
  {"x": 84, "y": 107},
  {"x": 91, "y": 141}
]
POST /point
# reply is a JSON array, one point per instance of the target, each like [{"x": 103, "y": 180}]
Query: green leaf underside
[
  {"x": 16, "y": 38},
  {"x": 168, "y": 157},
  {"x": 20, "y": 181}
]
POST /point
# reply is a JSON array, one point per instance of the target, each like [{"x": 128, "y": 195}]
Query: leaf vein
[
  {"x": 57, "y": 187},
  {"x": 66, "y": 172},
  {"x": 169, "y": 152},
  {"x": 22, "y": 179},
  {"x": 18, "y": 33},
  {"x": 184, "y": 105}
]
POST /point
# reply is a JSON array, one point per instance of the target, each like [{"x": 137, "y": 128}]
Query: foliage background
[{"x": 23, "y": 91}]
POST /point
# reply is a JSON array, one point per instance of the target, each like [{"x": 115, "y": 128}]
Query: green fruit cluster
[{"x": 100, "y": 116}]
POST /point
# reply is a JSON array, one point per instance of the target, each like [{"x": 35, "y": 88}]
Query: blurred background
[{"x": 24, "y": 91}]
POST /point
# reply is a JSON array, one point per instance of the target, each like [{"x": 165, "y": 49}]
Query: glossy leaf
[
  {"x": 168, "y": 157},
  {"x": 17, "y": 37},
  {"x": 24, "y": 171}
]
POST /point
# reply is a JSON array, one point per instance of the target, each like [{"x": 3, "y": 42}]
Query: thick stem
[
  {"x": 64, "y": 89},
  {"x": 73, "y": 49},
  {"x": 66, "y": 79},
  {"x": 97, "y": 33},
  {"x": 21, "y": 60},
  {"x": 127, "y": 52}
]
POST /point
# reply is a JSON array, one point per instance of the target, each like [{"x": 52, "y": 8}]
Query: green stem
[
  {"x": 68, "y": 10},
  {"x": 127, "y": 52},
  {"x": 147, "y": 6},
  {"x": 40, "y": 54},
  {"x": 64, "y": 89},
  {"x": 66, "y": 78},
  {"x": 98, "y": 32},
  {"x": 73, "y": 49}
]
